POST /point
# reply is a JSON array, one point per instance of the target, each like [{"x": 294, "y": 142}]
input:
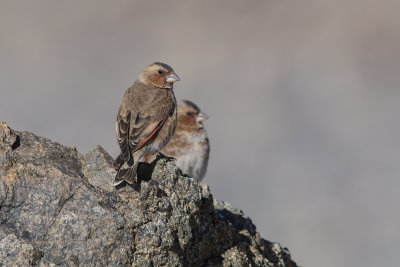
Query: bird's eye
[
  {"x": 189, "y": 113},
  {"x": 160, "y": 72}
]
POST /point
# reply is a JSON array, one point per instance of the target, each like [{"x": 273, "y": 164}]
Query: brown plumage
[
  {"x": 189, "y": 145},
  {"x": 146, "y": 119}
]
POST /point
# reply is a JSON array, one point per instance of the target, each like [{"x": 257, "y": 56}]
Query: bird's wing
[
  {"x": 122, "y": 129},
  {"x": 140, "y": 120}
]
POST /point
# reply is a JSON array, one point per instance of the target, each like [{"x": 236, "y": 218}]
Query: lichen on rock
[{"x": 59, "y": 208}]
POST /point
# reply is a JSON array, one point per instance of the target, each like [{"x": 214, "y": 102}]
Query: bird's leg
[{"x": 160, "y": 155}]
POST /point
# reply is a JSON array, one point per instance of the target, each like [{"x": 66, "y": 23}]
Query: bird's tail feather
[
  {"x": 126, "y": 173},
  {"x": 118, "y": 162}
]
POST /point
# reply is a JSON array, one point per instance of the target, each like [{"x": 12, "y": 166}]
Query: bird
[
  {"x": 146, "y": 119},
  {"x": 190, "y": 145}
]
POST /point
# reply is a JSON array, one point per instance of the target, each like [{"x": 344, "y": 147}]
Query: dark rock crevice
[
  {"x": 17, "y": 143},
  {"x": 59, "y": 207}
]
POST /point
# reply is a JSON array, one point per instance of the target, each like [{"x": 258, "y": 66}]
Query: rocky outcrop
[{"x": 59, "y": 208}]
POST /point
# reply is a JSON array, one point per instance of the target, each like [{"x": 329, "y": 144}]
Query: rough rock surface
[{"x": 59, "y": 208}]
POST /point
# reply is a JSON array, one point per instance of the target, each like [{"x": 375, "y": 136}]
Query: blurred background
[{"x": 303, "y": 98}]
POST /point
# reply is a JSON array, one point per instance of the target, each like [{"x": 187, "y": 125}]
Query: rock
[
  {"x": 16, "y": 251},
  {"x": 59, "y": 208},
  {"x": 97, "y": 169}
]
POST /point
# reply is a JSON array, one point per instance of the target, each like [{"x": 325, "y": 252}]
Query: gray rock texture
[{"x": 59, "y": 208}]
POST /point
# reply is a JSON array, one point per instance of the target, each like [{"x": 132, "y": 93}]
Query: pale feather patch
[{"x": 194, "y": 162}]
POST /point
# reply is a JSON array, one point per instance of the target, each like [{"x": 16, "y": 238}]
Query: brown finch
[
  {"x": 190, "y": 145},
  {"x": 146, "y": 119}
]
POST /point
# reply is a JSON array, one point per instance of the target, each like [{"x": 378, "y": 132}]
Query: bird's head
[
  {"x": 159, "y": 75},
  {"x": 190, "y": 115}
]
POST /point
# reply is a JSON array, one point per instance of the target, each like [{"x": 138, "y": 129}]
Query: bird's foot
[{"x": 161, "y": 155}]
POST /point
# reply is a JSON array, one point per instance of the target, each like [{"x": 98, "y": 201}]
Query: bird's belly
[{"x": 194, "y": 163}]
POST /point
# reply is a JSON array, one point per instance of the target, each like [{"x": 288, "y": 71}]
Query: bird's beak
[
  {"x": 172, "y": 78},
  {"x": 201, "y": 117}
]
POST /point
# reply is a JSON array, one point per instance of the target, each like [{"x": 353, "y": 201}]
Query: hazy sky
[{"x": 303, "y": 98}]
